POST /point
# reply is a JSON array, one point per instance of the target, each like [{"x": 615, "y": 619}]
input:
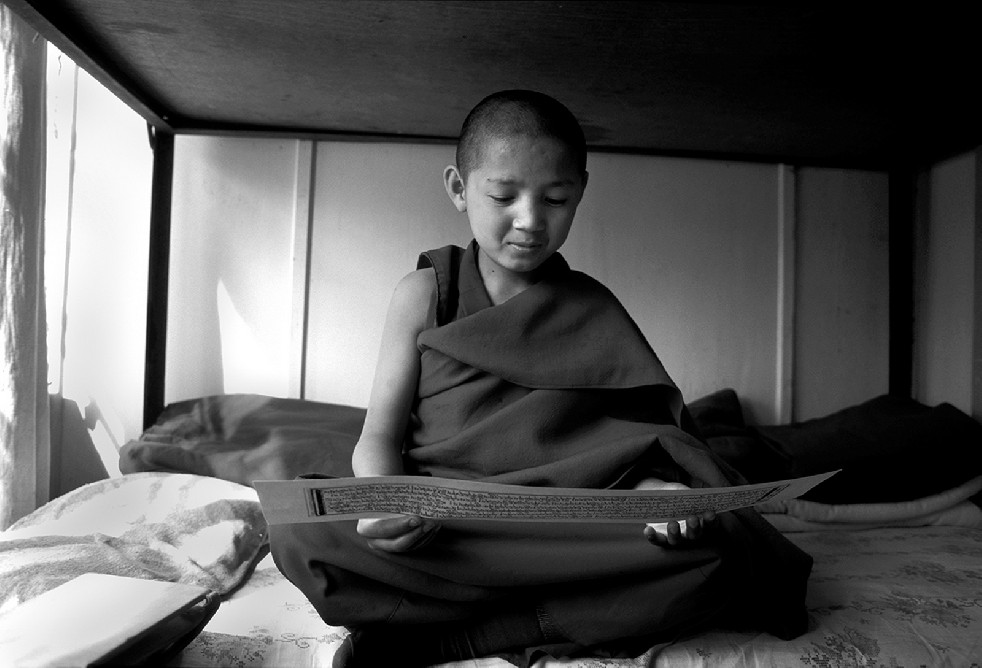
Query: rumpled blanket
[
  {"x": 246, "y": 437},
  {"x": 555, "y": 387}
]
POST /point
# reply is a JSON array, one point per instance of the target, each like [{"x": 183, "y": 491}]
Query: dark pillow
[
  {"x": 719, "y": 412},
  {"x": 719, "y": 421},
  {"x": 889, "y": 449},
  {"x": 247, "y": 437}
]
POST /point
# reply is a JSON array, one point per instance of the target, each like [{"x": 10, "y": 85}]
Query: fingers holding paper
[
  {"x": 398, "y": 534},
  {"x": 681, "y": 533}
]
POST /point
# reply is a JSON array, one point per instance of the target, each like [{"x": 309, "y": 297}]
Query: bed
[
  {"x": 878, "y": 597},
  {"x": 895, "y": 581},
  {"x": 896, "y": 537},
  {"x": 896, "y": 552}
]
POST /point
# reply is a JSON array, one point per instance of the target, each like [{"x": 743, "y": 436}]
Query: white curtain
[{"x": 24, "y": 424}]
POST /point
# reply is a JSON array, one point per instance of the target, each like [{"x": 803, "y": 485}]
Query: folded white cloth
[{"x": 949, "y": 508}]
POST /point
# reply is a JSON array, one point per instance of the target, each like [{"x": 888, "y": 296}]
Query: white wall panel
[
  {"x": 376, "y": 207},
  {"x": 842, "y": 294},
  {"x": 700, "y": 252},
  {"x": 945, "y": 290},
  {"x": 231, "y": 274},
  {"x": 97, "y": 230},
  {"x": 690, "y": 248}
]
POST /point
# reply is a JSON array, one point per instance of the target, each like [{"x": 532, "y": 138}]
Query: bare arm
[{"x": 379, "y": 449}]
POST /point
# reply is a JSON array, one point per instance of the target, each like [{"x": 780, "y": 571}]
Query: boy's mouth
[{"x": 525, "y": 245}]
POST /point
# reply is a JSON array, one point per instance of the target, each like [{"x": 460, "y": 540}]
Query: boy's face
[{"x": 520, "y": 200}]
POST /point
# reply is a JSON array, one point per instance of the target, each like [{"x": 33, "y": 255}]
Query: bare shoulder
[
  {"x": 414, "y": 298},
  {"x": 416, "y": 288},
  {"x": 421, "y": 282}
]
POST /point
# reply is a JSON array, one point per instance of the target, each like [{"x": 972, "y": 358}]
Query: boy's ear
[{"x": 455, "y": 187}]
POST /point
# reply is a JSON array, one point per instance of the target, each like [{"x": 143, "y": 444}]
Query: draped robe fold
[{"x": 554, "y": 387}]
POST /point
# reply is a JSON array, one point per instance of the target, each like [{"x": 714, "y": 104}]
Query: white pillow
[{"x": 176, "y": 527}]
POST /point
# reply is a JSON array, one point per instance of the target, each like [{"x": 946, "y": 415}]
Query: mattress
[
  {"x": 877, "y": 597},
  {"x": 885, "y": 596},
  {"x": 896, "y": 578}
]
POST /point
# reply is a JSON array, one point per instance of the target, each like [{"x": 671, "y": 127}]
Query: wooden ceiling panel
[{"x": 819, "y": 83}]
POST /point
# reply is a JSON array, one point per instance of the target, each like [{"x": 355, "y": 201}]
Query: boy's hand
[
  {"x": 398, "y": 534},
  {"x": 676, "y": 533}
]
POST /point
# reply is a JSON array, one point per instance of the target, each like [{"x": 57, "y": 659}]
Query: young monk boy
[{"x": 499, "y": 363}]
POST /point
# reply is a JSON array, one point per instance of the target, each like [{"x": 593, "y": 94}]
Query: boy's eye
[
  {"x": 501, "y": 199},
  {"x": 552, "y": 201}
]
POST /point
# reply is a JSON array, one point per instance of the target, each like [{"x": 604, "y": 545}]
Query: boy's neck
[{"x": 502, "y": 284}]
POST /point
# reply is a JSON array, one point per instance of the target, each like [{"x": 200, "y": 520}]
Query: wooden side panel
[{"x": 977, "y": 290}]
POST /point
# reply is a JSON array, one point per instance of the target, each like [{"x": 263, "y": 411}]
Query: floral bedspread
[{"x": 897, "y": 597}]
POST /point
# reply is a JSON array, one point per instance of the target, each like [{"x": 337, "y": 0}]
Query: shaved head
[{"x": 512, "y": 113}]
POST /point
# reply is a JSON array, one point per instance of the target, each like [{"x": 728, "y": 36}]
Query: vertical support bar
[
  {"x": 786, "y": 224},
  {"x": 977, "y": 294},
  {"x": 901, "y": 278},
  {"x": 303, "y": 220},
  {"x": 157, "y": 282}
]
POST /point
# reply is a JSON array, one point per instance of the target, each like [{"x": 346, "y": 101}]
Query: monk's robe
[{"x": 554, "y": 387}]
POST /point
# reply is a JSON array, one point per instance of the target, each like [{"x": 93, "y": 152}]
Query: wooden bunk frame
[{"x": 819, "y": 84}]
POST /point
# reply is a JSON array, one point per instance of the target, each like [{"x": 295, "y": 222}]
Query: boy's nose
[{"x": 529, "y": 217}]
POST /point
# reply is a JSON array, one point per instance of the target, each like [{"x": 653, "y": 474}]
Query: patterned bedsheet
[
  {"x": 881, "y": 597},
  {"x": 902, "y": 597}
]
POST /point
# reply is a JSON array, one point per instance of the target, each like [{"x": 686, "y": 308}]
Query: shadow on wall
[{"x": 77, "y": 461}]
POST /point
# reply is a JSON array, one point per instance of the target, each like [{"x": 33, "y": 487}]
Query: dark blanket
[
  {"x": 889, "y": 449},
  {"x": 554, "y": 387},
  {"x": 246, "y": 437}
]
